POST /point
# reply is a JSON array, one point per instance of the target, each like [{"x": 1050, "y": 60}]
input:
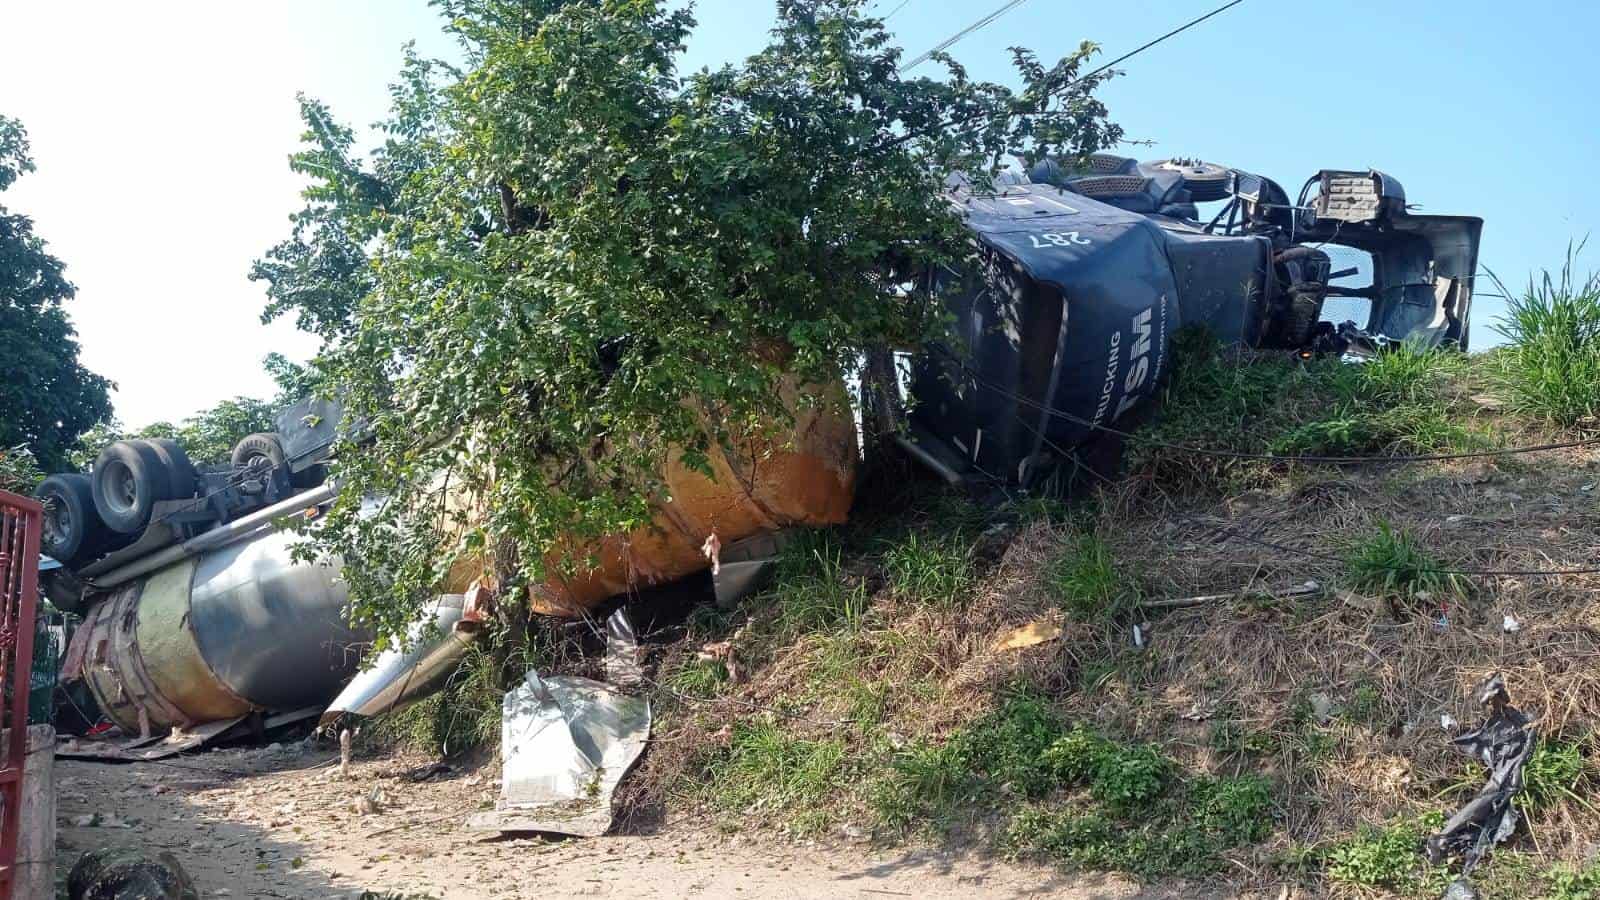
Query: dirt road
[{"x": 284, "y": 823}]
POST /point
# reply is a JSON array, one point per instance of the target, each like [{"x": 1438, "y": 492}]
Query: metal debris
[
  {"x": 623, "y": 654},
  {"x": 566, "y": 743},
  {"x": 1503, "y": 744}
]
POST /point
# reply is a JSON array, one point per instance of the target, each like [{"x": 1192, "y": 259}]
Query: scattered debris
[
  {"x": 1448, "y": 722},
  {"x": 123, "y": 874},
  {"x": 712, "y": 549},
  {"x": 722, "y": 651},
  {"x": 1503, "y": 744},
  {"x": 1139, "y": 639},
  {"x": 566, "y": 743},
  {"x": 623, "y": 654},
  {"x": 98, "y": 820},
  {"x": 1322, "y": 708},
  {"x": 1037, "y": 632},
  {"x": 1303, "y": 589},
  {"x": 1511, "y": 625},
  {"x": 344, "y": 753}
]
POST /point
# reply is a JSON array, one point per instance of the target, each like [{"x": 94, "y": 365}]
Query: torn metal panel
[
  {"x": 623, "y": 662},
  {"x": 566, "y": 743},
  {"x": 744, "y": 567},
  {"x": 400, "y": 676}
]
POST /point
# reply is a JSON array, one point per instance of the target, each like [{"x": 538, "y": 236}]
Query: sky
[{"x": 162, "y": 132}]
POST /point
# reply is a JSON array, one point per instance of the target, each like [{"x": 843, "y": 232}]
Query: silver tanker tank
[{"x": 230, "y": 626}]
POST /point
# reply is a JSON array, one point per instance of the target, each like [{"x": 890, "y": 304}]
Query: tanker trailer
[{"x": 216, "y": 628}]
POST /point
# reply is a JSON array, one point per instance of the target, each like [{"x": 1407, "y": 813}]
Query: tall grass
[{"x": 1551, "y": 368}]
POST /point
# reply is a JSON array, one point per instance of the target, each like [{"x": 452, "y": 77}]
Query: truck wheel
[
  {"x": 72, "y": 529},
  {"x": 129, "y": 479},
  {"x": 260, "y": 454},
  {"x": 180, "y": 472}
]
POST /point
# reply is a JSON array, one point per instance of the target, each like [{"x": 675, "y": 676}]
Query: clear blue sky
[{"x": 161, "y": 131}]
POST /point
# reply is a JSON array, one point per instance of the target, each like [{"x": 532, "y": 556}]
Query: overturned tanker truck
[{"x": 196, "y": 614}]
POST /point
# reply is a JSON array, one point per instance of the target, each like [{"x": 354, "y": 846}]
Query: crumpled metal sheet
[
  {"x": 566, "y": 744},
  {"x": 400, "y": 676},
  {"x": 1503, "y": 744}
]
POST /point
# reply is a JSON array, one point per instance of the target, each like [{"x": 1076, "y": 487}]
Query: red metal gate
[{"x": 20, "y": 521}]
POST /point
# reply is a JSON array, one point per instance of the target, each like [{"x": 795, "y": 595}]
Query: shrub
[
  {"x": 1386, "y": 857},
  {"x": 1551, "y": 367},
  {"x": 1552, "y": 772}
]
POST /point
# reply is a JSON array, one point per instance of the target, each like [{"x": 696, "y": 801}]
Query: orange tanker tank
[{"x": 803, "y": 478}]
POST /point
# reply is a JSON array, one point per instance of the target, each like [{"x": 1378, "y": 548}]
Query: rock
[{"x": 126, "y": 874}]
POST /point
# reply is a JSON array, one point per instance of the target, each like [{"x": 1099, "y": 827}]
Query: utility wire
[
  {"x": 1262, "y": 457},
  {"x": 903, "y": 4},
  {"x": 962, "y": 120},
  {"x": 1329, "y": 557},
  {"x": 951, "y": 40}
]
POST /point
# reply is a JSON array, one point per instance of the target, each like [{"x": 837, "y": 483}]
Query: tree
[
  {"x": 583, "y": 239},
  {"x": 47, "y": 398}
]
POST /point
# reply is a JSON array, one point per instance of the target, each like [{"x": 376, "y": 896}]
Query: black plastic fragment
[{"x": 1503, "y": 744}]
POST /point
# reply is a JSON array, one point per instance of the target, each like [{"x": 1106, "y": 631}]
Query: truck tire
[
  {"x": 180, "y": 472},
  {"x": 261, "y": 452},
  {"x": 72, "y": 529},
  {"x": 129, "y": 480}
]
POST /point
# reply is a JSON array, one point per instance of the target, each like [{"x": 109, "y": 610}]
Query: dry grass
[{"x": 1337, "y": 697}]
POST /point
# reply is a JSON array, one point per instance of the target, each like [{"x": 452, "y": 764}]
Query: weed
[
  {"x": 1009, "y": 745},
  {"x": 1235, "y": 810},
  {"x": 765, "y": 764},
  {"x": 1086, "y": 580},
  {"x": 927, "y": 783},
  {"x": 698, "y": 678},
  {"x": 1387, "y": 857},
  {"x": 1392, "y": 563},
  {"x": 1551, "y": 366},
  {"x": 1127, "y": 777},
  {"x": 1567, "y": 883},
  {"x": 1365, "y": 706},
  {"x": 1552, "y": 773},
  {"x": 929, "y": 570},
  {"x": 812, "y": 591},
  {"x": 1229, "y": 738}
]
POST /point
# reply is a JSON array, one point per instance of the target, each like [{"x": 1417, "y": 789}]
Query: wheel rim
[
  {"x": 121, "y": 488},
  {"x": 57, "y": 522}
]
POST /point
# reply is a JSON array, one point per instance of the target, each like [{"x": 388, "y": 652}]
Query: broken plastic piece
[
  {"x": 1036, "y": 632},
  {"x": 1511, "y": 625},
  {"x": 1503, "y": 744}
]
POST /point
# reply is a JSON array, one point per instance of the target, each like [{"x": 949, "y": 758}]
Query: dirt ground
[{"x": 283, "y": 823}]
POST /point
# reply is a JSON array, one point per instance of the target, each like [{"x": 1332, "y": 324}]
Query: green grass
[
  {"x": 1567, "y": 883},
  {"x": 1087, "y": 583},
  {"x": 1550, "y": 368},
  {"x": 1391, "y": 562},
  {"x": 765, "y": 764},
  {"x": 811, "y": 590},
  {"x": 1402, "y": 401},
  {"x": 930, "y": 569},
  {"x": 1388, "y": 857},
  {"x": 1552, "y": 774},
  {"x": 700, "y": 678}
]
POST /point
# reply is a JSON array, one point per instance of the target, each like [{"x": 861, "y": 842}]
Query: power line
[
  {"x": 961, "y": 120},
  {"x": 903, "y": 4},
  {"x": 1146, "y": 46},
  {"x": 951, "y": 40},
  {"x": 1329, "y": 557}
]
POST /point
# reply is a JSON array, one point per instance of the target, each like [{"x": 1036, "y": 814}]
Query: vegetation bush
[{"x": 1550, "y": 368}]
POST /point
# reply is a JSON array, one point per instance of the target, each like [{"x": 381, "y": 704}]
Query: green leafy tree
[
  {"x": 579, "y": 259},
  {"x": 47, "y": 398}
]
